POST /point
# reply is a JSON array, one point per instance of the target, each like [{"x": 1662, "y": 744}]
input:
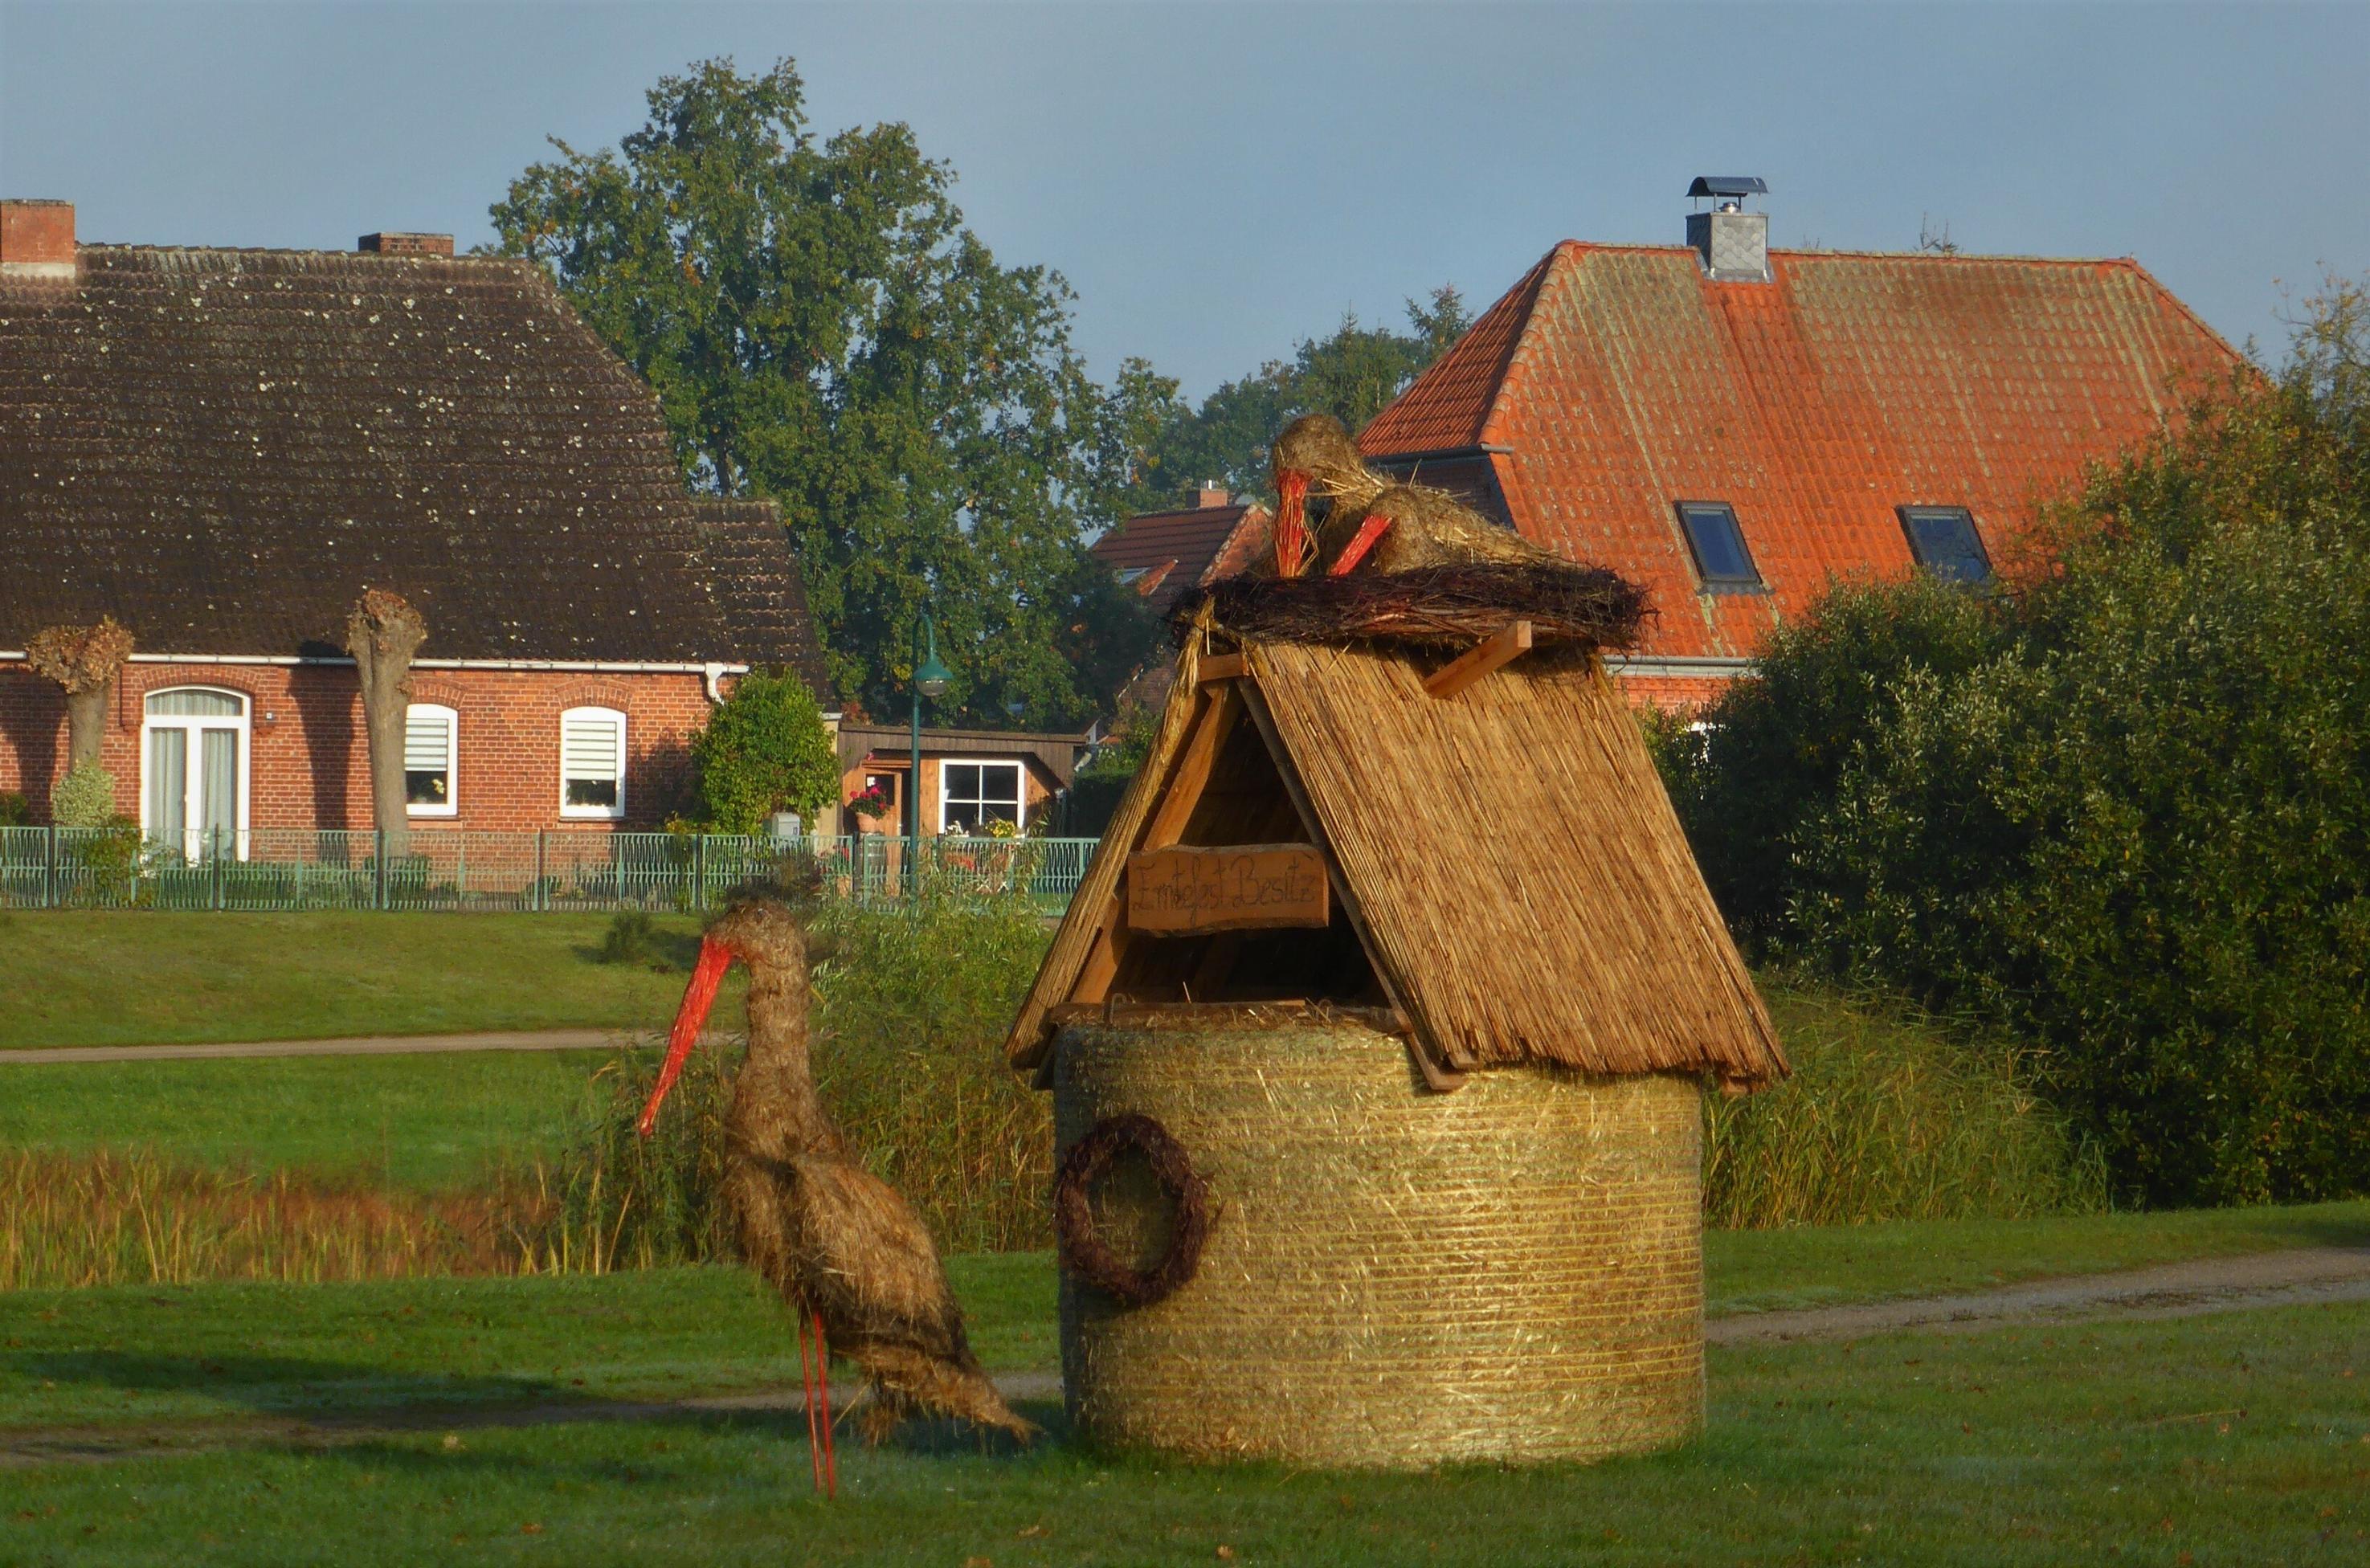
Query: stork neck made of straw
[{"x": 697, "y": 997}]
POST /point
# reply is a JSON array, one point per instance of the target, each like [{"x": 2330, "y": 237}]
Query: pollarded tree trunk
[
  {"x": 383, "y": 633},
  {"x": 86, "y": 661}
]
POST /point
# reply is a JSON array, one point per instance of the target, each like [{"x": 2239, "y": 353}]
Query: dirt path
[
  {"x": 359, "y": 1046},
  {"x": 2302, "y": 1276}
]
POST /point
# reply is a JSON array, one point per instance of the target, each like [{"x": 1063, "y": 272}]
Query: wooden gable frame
[{"x": 1212, "y": 696}]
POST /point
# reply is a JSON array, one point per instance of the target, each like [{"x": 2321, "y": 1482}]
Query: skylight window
[
  {"x": 1721, "y": 560},
  {"x": 1944, "y": 541}
]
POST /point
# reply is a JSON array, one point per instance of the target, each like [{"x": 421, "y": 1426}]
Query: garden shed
[{"x": 1377, "y": 1034}]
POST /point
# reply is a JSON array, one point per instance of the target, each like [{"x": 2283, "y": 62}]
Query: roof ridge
[{"x": 1938, "y": 258}]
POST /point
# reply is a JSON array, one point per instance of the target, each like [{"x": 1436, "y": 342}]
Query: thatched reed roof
[{"x": 1507, "y": 857}]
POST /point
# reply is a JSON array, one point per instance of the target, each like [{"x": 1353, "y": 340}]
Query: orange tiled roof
[
  {"x": 1176, "y": 551},
  {"x": 1612, "y": 382}
]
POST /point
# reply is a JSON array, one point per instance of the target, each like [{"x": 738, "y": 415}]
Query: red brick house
[
  {"x": 1164, "y": 554},
  {"x": 221, "y": 449},
  {"x": 1735, "y": 427}
]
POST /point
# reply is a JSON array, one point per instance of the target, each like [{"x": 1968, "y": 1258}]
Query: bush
[
  {"x": 766, "y": 750},
  {"x": 83, "y": 799},
  {"x": 13, "y": 811},
  {"x": 910, "y": 1008},
  {"x": 632, "y": 938},
  {"x": 1889, "y": 1116},
  {"x": 2116, "y": 810},
  {"x": 1768, "y": 753}
]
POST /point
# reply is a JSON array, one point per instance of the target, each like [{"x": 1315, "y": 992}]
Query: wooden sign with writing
[{"x": 1186, "y": 892}]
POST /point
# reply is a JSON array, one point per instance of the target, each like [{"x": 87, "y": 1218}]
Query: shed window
[
  {"x": 429, "y": 733},
  {"x": 973, "y": 794},
  {"x": 592, "y": 762},
  {"x": 1945, "y": 543},
  {"x": 1721, "y": 560}
]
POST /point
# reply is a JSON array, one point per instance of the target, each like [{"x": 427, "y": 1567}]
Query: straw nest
[
  {"x": 1585, "y": 607},
  {"x": 1392, "y": 1278}
]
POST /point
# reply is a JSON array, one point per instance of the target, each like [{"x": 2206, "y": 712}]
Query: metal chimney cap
[{"x": 1717, "y": 185}]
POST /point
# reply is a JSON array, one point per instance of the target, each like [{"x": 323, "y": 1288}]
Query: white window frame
[
  {"x": 190, "y": 724},
  {"x": 593, "y": 813},
  {"x": 1019, "y": 785},
  {"x": 451, "y": 807}
]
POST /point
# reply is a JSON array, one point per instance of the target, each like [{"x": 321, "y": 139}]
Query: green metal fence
[{"x": 273, "y": 869}]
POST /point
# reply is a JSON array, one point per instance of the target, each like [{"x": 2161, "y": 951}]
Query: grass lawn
[
  {"x": 2243, "y": 1437},
  {"x": 150, "y": 1353},
  {"x": 417, "y": 1122},
  {"x": 112, "y": 977}
]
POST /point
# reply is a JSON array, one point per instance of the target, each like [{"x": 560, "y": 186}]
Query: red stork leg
[
  {"x": 814, "y": 1435},
  {"x": 1291, "y": 524},
  {"x": 822, "y": 1379},
  {"x": 1370, "y": 531}
]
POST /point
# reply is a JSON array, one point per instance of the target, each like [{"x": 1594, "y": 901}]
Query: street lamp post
[{"x": 930, "y": 680}]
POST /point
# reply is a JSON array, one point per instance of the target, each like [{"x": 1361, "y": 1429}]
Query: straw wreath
[{"x": 1085, "y": 1253}]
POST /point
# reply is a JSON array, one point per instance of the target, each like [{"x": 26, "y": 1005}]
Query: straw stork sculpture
[
  {"x": 844, "y": 1248},
  {"x": 1371, "y": 517}
]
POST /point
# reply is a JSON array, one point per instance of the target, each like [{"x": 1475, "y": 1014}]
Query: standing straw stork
[{"x": 841, "y": 1247}]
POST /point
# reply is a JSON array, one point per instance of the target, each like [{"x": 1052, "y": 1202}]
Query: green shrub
[
  {"x": 1770, "y": 751},
  {"x": 83, "y": 799},
  {"x": 2120, "y": 813},
  {"x": 13, "y": 811},
  {"x": 766, "y": 750},
  {"x": 632, "y": 938},
  {"x": 1890, "y": 1116}
]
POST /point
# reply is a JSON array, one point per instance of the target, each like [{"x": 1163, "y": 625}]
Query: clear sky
[{"x": 1217, "y": 181}]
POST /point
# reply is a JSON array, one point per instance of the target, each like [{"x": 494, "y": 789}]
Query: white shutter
[
  {"x": 589, "y": 747},
  {"x": 427, "y": 741}
]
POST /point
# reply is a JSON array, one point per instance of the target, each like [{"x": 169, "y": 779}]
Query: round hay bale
[{"x": 1393, "y": 1277}]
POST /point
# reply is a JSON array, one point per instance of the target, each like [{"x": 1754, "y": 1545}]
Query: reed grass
[
  {"x": 71, "y": 1220},
  {"x": 1890, "y": 1115}
]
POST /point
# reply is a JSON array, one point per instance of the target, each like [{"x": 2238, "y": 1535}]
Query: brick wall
[
  {"x": 309, "y": 763},
  {"x": 1671, "y": 693}
]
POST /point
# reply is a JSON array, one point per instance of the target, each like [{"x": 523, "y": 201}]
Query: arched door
[{"x": 193, "y": 764}]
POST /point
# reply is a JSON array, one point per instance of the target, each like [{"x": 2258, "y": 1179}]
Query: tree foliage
[
  {"x": 2120, "y": 806},
  {"x": 1352, "y": 376},
  {"x": 822, "y": 328},
  {"x": 766, "y": 750}
]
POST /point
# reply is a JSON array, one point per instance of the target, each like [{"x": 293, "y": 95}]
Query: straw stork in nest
[
  {"x": 841, "y": 1247},
  {"x": 1371, "y": 517}
]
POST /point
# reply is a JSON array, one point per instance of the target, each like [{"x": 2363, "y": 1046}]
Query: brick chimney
[
  {"x": 392, "y": 243},
  {"x": 37, "y": 241},
  {"x": 1213, "y": 494}
]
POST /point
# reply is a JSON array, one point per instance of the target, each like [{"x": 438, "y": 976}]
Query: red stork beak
[
  {"x": 689, "y": 1020},
  {"x": 1291, "y": 522}
]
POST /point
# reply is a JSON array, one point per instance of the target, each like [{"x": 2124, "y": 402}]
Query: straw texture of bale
[
  {"x": 1525, "y": 882},
  {"x": 1394, "y": 1278}
]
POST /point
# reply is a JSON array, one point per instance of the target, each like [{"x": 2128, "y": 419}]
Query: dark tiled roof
[
  {"x": 1184, "y": 549},
  {"x": 1612, "y": 382},
  {"x": 223, "y": 448}
]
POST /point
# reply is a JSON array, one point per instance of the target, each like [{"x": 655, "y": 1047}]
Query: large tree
[
  {"x": 822, "y": 328},
  {"x": 1351, "y": 374}
]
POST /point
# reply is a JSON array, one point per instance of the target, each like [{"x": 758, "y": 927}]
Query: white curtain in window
[
  {"x": 218, "y": 760},
  {"x": 169, "y": 783},
  {"x": 591, "y": 761}
]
